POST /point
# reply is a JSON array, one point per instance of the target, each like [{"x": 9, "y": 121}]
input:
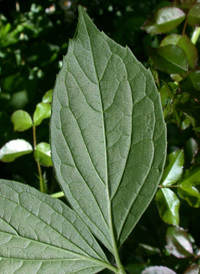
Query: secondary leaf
[
  {"x": 40, "y": 234},
  {"x": 168, "y": 206},
  {"x": 47, "y": 98},
  {"x": 178, "y": 242},
  {"x": 195, "y": 269},
  {"x": 173, "y": 168},
  {"x": 42, "y": 154},
  {"x": 191, "y": 84},
  {"x": 194, "y": 15},
  {"x": 185, "y": 43},
  {"x": 164, "y": 20},
  {"x": 170, "y": 59},
  {"x": 108, "y": 136},
  {"x": 14, "y": 149},
  {"x": 42, "y": 112},
  {"x": 158, "y": 270},
  {"x": 21, "y": 120}
]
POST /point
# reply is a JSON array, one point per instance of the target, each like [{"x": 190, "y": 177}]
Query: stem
[
  {"x": 184, "y": 27},
  {"x": 195, "y": 35},
  {"x": 42, "y": 185},
  {"x": 161, "y": 186},
  {"x": 58, "y": 194}
]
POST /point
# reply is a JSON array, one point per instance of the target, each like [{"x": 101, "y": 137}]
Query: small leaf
[
  {"x": 14, "y": 149},
  {"x": 170, "y": 59},
  {"x": 47, "y": 98},
  {"x": 40, "y": 234},
  {"x": 108, "y": 135},
  {"x": 185, "y": 43},
  {"x": 187, "y": 189},
  {"x": 158, "y": 270},
  {"x": 21, "y": 120},
  {"x": 164, "y": 20},
  {"x": 191, "y": 84},
  {"x": 195, "y": 269},
  {"x": 42, "y": 112},
  {"x": 173, "y": 168},
  {"x": 168, "y": 206},
  {"x": 194, "y": 15},
  {"x": 178, "y": 242},
  {"x": 42, "y": 154}
]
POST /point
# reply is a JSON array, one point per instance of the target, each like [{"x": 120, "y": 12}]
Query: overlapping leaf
[
  {"x": 108, "y": 135},
  {"x": 39, "y": 234}
]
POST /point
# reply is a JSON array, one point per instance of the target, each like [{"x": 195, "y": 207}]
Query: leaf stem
[
  {"x": 58, "y": 194},
  {"x": 184, "y": 27},
  {"x": 161, "y": 186},
  {"x": 41, "y": 181},
  {"x": 195, "y": 35}
]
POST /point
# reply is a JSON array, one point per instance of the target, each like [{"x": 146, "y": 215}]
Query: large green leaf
[
  {"x": 39, "y": 234},
  {"x": 194, "y": 15},
  {"x": 14, "y": 149},
  {"x": 173, "y": 169},
  {"x": 108, "y": 136},
  {"x": 164, "y": 20}
]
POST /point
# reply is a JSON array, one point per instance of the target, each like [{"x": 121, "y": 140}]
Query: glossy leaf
[
  {"x": 108, "y": 135},
  {"x": 185, "y": 43},
  {"x": 178, "y": 242},
  {"x": 14, "y": 149},
  {"x": 47, "y": 98},
  {"x": 42, "y": 112},
  {"x": 170, "y": 59},
  {"x": 195, "y": 269},
  {"x": 187, "y": 189},
  {"x": 158, "y": 270},
  {"x": 173, "y": 168},
  {"x": 42, "y": 154},
  {"x": 21, "y": 120},
  {"x": 194, "y": 15},
  {"x": 164, "y": 20},
  {"x": 168, "y": 206},
  {"x": 40, "y": 234}
]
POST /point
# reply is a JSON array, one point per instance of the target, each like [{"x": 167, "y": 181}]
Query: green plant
[{"x": 108, "y": 141}]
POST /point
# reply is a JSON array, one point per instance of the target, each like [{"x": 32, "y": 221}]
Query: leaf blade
[{"x": 36, "y": 230}]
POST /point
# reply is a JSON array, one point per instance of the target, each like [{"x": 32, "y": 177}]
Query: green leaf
[
  {"x": 158, "y": 270},
  {"x": 164, "y": 20},
  {"x": 40, "y": 234},
  {"x": 47, "y": 98},
  {"x": 168, "y": 206},
  {"x": 193, "y": 17},
  {"x": 195, "y": 269},
  {"x": 185, "y": 43},
  {"x": 191, "y": 84},
  {"x": 42, "y": 154},
  {"x": 173, "y": 168},
  {"x": 21, "y": 120},
  {"x": 42, "y": 112},
  {"x": 14, "y": 149},
  {"x": 187, "y": 189},
  {"x": 170, "y": 59},
  {"x": 178, "y": 242},
  {"x": 108, "y": 136}
]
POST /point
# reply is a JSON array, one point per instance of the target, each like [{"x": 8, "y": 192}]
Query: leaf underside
[
  {"x": 108, "y": 136},
  {"x": 40, "y": 234}
]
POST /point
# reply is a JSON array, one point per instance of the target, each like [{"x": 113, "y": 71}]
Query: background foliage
[{"x": 33, "y": 39}]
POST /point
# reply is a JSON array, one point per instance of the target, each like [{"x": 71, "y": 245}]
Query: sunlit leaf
[
  {"x": 173, "y": 168},
  {"x": 40, "y": 234},
  {"x": 42, "y": 112},
  {"x": 14, "y": 149},
  {"x": 178, "y": 242},
  {"x": 108, "y": 135},
  {"x": 171, "y": 59},
  {"x": 47, "y": 98},
  {"x": 164, "y": 20},
  {"x": 168, "y": 206},
  {"x": 185, "y": 43},
  {"x": 194, "y": 15},
  {"x": 21, "y": 120},
  {"x": 42, "y": 154}
]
